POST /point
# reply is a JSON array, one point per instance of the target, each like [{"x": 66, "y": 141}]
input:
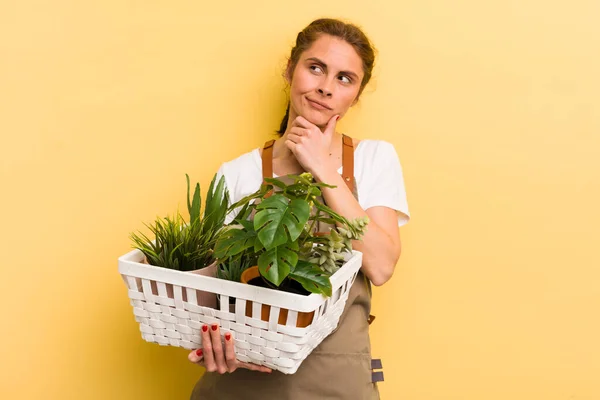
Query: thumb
[{"x": 330, "y": 128}]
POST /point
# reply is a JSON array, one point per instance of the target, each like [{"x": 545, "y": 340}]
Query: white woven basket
[{"x": 176, "y": 319}]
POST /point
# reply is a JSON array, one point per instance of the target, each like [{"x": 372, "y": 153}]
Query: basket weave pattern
[{"x": 176, "y": 319}]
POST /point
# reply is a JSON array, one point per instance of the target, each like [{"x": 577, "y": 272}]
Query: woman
[{"x": 329, "y": 67}]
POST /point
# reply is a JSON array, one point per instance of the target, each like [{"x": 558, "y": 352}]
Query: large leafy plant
[
  {"x": 279, "y": 232},
  {"x": 182, "y": 245}
]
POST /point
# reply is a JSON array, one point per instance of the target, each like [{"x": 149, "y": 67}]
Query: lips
[{"x": 318, "y": 104}]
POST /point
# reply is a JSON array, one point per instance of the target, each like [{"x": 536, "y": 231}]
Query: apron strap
[
  {"x": 267, "y": 162},
  {"x": 347, "y": 161},
  {"x": 267, "y": 159}
]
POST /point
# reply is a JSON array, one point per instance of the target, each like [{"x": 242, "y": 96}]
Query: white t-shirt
[{"x": 377, "y": 170}]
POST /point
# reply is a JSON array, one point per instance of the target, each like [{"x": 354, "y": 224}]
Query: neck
[{"x": 281, "y": 150}]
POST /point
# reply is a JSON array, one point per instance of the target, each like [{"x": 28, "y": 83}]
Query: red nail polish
[
  {"x": 228, "y": 336},
  {"x": 338, "y": 117},
  {"x": 204, "y": 328},
  {"x": 214, "y": 327},
  {"x": 199, "y": 352}
]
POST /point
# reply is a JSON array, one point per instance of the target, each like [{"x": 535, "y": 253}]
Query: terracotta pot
[
  {"x": 205, "y": 299},
  {"x": 304, "y": 318}
]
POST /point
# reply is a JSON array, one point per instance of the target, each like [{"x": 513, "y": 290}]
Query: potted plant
[
  {"x": 278, "y": 233},
  {"x": 304, "y": 260},
  {"x": 187, "y": 246},
  {"x": 233, "y": 269}
]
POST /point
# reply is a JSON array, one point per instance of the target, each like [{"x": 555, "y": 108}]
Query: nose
[
  {"x": 325, "y": 88},
  {"x": 324, "y": 92}
]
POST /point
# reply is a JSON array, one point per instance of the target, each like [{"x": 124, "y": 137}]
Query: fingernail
[
  {"x": 214, "y": 327},
  {"x": 338, "y": 117},
  {"x": 204, "y": 328},
  {"x": 199, "y": 352},
  {"x": 228, "y": 336}
]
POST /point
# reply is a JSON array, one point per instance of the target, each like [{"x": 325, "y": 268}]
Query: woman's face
[{"x": 326, "y": 80}]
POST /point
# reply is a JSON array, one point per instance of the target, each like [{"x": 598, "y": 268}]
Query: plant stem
[{"x": 312, "y": 225}]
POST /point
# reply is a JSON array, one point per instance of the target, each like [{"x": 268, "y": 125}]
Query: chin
[{"x": 317, "y": 118}]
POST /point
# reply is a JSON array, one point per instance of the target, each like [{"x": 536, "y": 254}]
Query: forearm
[{"x": 380, "y": 254}]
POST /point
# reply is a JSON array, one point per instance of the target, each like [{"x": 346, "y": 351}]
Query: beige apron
[{"x": 339, "y": 368}]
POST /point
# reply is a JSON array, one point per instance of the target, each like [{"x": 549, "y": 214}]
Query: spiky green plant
[
  {"x": 234, "y": 267},
  {"x": 187, "y": 246}
]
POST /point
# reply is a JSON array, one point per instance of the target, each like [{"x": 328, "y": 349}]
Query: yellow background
[{"x": 493, "y": 107}]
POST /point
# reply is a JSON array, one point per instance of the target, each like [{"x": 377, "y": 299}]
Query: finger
[
  {"x": 330, "y": 128},
  {"x": 303, "y": 123},
  {"x": 196, "y": 356},
  {"x": 230, "y": 357},
  {"x": 254, "y": 367},
  {"x": 209, "y": 357},
  {"x": 291, "y": 145},
  {"x": 300, "y": 131},
  {"x": 215, "y": 335},
  {"x": 295, "y": 138}
]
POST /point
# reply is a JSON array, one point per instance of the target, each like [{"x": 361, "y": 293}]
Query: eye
[
  {"x": 316, "y": 68},
  {"x": 347, "y": 79}
]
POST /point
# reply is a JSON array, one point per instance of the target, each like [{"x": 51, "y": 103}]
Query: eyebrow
[{"x": 318, "y": 61}]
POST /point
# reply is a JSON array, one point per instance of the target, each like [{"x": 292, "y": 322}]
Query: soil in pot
[{"x": 289, "y": 286}]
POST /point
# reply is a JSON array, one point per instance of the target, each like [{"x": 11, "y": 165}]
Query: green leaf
[
  {"x": 296, "y": 191},
  {"x": 233, "y": 269},
  {"x": 326, "y": 220},
  {"x": 278, "y": 214},
  {"x": 217, "y": 201},
  {"x": 197, "y": 200},
  {"x": 189, "y": 205},
  {"x": 333, "y": 214},
  {"x": 194, "y": 206},
  {"x": 248, "y": 225},
  {"x": 314, "y": 191},
  {"x": 311, "y": 278},
  {"x": 275, "y": 264},
  {"x": 234, "y": 241},
  {"x": 243, "y": 214},
  {"x": 301, "y": 179},
  {"x": 276, "y": 182},
  {"x": 246, "y": 200}
]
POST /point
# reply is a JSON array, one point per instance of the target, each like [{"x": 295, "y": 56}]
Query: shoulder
[
  {"x": 371, "y": 152},
  {"x": 379, "y": 178},
  {"x": 243, "y": 174},
  {"x": 374, "y": 161},
  {"x": 244, "y": 162}
]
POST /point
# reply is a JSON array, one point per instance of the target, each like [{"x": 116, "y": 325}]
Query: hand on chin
[{"x": 310, "y": 143}]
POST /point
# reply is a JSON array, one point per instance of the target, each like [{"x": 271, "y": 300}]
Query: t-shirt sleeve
[
  {"x": 383, "y": 182},
  {"x": 241, "y": 178}
]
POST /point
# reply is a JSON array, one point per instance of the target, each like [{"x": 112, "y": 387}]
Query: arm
[{"x": 381, "y": 243}]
